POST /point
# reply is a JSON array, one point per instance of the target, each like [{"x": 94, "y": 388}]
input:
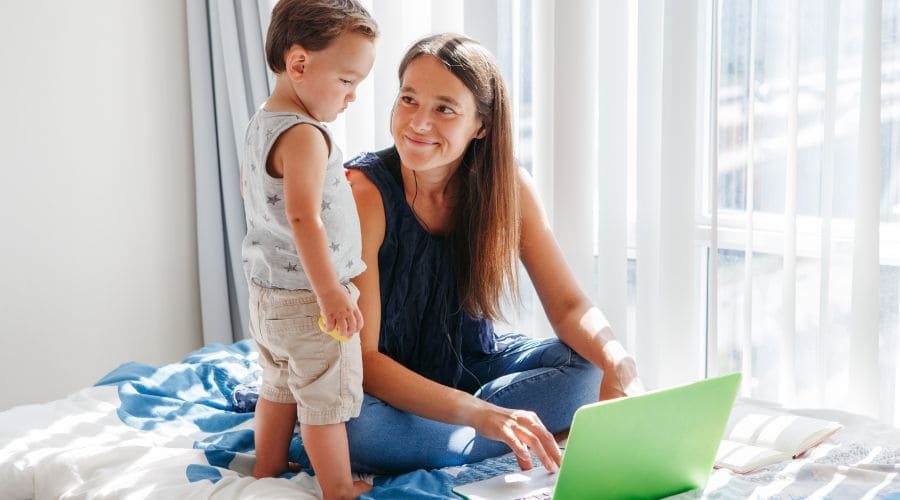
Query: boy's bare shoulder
[
  {"x": 302, "y": 138},
  {"x": 303, "y": 135},
  {"x": 302, "y": 141}
]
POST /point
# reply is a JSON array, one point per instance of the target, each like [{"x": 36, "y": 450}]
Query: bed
[{"x": 173, "y": 432}]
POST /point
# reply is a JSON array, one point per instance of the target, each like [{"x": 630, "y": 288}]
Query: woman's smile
[{"x": 418, "y": 141}]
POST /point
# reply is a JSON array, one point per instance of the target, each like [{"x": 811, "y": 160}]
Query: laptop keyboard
[{"x": 541, "y": 494}]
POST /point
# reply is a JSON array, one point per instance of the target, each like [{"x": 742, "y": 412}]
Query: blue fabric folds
[{"x": 199, "y": 390}]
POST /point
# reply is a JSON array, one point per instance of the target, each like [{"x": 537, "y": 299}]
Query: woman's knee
[
  {"x": 558, "y": 354},
  {"x": 592, "y": 374}
]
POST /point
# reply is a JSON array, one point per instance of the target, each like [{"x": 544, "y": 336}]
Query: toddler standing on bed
[{"x": 303, "y": 241}]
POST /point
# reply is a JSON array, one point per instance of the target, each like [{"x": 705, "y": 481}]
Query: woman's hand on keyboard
[{"x": 522, "y": 431}]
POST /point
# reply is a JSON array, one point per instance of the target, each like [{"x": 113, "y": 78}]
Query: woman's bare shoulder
[
  {"x": 530, "y": 206},
  {"x": 369, "y": 204},
  {"x": 363, "y": 188}
]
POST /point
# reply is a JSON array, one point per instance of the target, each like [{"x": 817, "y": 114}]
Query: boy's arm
[{"x": 300, "y": 156}]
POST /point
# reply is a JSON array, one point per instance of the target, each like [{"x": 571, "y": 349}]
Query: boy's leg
[
  {"x": 276, "y": 410},
  {"x": 327, "y": 448},
  {"x": 274, "y": 429},
  {"x": 327, "y": 400}
]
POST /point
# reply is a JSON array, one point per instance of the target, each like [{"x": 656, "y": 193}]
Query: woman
[{"x": 445, "y": 216}]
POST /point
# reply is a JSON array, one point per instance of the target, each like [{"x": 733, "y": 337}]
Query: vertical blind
[
  {"x": 719, "y": 175},
  {"x": 805, "y": 285}
]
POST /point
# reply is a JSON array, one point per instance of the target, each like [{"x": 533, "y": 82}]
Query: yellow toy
[{"x": 334, "y": 331}]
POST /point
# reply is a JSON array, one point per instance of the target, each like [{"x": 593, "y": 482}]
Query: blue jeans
[{"x": 541, "y": 375}]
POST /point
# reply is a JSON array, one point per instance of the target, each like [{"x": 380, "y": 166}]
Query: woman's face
[{"x": 434, "y": 117}]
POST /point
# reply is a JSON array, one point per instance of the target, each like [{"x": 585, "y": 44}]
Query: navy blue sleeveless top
[{"x": 423, "y": 325}]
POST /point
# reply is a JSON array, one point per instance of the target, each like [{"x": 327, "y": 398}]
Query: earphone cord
[
  {"x": 446, "y": 333},
  {"x": 459, "y": 359},
  {"x": 412, "y": 205}
]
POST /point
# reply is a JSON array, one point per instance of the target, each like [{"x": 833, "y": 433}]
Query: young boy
[{"x": 303, "y": 243}]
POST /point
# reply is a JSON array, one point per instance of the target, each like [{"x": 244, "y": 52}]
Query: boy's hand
[{"x": 340, "y": 311}]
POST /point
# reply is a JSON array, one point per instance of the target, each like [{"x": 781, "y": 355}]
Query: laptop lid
[
  {"x": 653, "y": 445},
  {"x": 656, "y": 444}
]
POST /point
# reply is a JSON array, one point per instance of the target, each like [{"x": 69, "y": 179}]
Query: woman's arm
[
  {"x": 404, "y": 389},
  {"x": 575, "y": 320}
]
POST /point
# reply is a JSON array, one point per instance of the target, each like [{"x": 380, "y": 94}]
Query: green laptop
[{"x": 653, "y": 445}]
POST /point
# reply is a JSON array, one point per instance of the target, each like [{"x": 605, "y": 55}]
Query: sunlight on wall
[{"x": 99, "y": 253}]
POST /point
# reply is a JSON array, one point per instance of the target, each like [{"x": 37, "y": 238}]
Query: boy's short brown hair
[{"x": 313, "y": 24}]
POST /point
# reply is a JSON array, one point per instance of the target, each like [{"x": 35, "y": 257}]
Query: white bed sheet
[
  {"x": 79, "y": 448},
  {"x": 171, "y": 432},
  {"x": 862, "y": 460}
]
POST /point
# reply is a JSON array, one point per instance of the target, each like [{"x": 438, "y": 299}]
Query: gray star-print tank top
[{"x": 269, "y": 254}]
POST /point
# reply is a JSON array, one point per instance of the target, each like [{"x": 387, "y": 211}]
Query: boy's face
[{"x": 330, "y": 76}]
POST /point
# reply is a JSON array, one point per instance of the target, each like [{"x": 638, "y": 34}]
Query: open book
[{"x": 756, "y": 437}]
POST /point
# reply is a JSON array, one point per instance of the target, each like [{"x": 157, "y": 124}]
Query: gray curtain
[{"x": 229, "y": 80}]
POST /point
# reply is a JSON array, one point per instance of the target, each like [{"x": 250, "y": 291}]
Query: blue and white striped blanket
[
  {"x": 172, "y": 432},
  {"x": 169, "y": 432}
]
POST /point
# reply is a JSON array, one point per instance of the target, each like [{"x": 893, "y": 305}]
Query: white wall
[{"x": 97, "y": 228}]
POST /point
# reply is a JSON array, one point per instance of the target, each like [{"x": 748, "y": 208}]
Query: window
[
  {"x": 753, "y": 251},
  {"x": 755, "y": 204}
]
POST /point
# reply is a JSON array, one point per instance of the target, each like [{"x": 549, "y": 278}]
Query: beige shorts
[{"x": 300, "y": 363}]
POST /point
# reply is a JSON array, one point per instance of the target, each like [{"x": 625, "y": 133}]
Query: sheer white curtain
[
  {"x": 720, "y": 176},
  {"x": 801, "y": 211},
  {"x": 228, "y": 81},
  {"x": 731, "y": 166}
]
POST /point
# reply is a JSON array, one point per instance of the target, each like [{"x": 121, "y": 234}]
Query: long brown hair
[{"x": 484, "y": 227}]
